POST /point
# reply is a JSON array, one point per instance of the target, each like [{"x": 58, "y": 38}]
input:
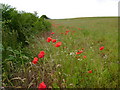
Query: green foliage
[
  {"x": 25, "y": 24},
  {"x": 41, "y": 25},
  {"x": 18, "y": 30}
]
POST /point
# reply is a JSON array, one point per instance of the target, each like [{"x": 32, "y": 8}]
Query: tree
[{"x": 44, "y": 16}]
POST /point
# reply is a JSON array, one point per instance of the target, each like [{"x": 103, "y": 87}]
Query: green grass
[
  {"x": 61, "y": 67},
  {"x": 94, "y": 33}
]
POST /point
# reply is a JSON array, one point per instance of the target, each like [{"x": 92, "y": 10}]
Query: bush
[
  {"x": 18, "y": 28},
  {"x": 25, "y": 24}
]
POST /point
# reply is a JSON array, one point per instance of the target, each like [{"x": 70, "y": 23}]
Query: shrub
[{"x": 18, "y": 28}]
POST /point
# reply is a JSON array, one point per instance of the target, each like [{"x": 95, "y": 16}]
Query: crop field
[
  {"x": 75, "y": 53},
  {"x": 78, "y": 53}
]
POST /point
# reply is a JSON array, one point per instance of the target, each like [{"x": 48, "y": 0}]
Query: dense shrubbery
[
  {"x": 24, "y": 24},
  {"x": 18, "y": 29}
]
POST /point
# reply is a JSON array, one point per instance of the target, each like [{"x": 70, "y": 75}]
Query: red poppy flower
[
  {"x": 67, "y": 31},
  {"x": 53, "y": 24},
  {"x": 82, "y": 48},
  {"x": 41, "y": 54},
  {"x": 58, "y": 44},
  {"x": 101, "y": 48},
  {"x": 54, "y": 40},
  {"x": 42, "y": 86},
  {"x": 90, "y": 71},
  {"x": 35, "y": 60},
  {"x": 49, "y": 39},
  {"x": 52, "y": 33},
  {"x": 79, "y": 52},
  {"x": 84, "y": 56},
  {"x": 78, "y": 28}
]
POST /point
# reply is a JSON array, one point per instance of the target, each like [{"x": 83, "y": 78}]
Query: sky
[{"x": 60, "y": 9}]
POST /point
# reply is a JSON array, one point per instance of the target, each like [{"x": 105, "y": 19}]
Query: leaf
[
  {"x": 16, "y": 52},
  {"x": 25, "y": 57},
  {"x": 11, "y": 57},
  {"x": 9, "y": 49}
]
